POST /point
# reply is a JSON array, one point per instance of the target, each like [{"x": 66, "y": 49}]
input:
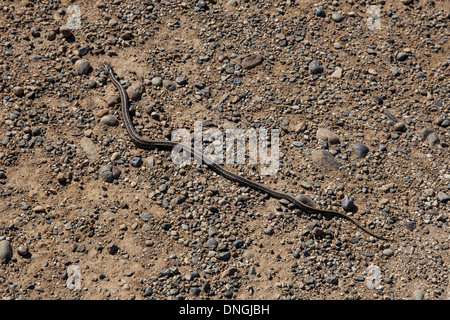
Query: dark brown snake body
[{"x": 154, "y": 144}]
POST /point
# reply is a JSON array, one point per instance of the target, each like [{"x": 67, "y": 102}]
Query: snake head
[{"x": 107, "y": 67}]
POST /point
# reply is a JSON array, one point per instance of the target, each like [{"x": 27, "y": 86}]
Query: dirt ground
[{"x": 167, "y": 231}]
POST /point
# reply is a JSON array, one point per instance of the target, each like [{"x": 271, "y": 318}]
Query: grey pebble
[
  {"x": 315, "y": 67},
  {"x": 325, "y": 159},
  {"x": 347, "y": 203},
  {"x": 388, "y": 252},
  {"x": 65, "y": 31},
  {"x": 327, "y": 135},
  {"x": 170, "y": 85},
  {"x": 337, "y": 16},
  {"x": 432, "y": 140},
  {"x": 156, "y": 81},
  {"x": 443, "y": 197},
  {"x": 361, "y": 150},
  {"x": 6, "y": 251},
  {"x": 401, "y": 56},
  {"x": 109, "y": 120},
  {"x": 251, "y": 61},
  {"x": 418, "y": 294},
  {"x": 82, "y": 66}
]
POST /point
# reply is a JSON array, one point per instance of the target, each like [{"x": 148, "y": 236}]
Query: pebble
[
  {"x": 425, "y": 132},
  {"x": 325, "y": 159},
  {"x": 337, "y": 73},
  {"x": 82, "y": 66},
  {"x": 18, "y": 91},
  {"x": 347, "y": 203},
  {"x": 169, "y": 85},
  {"x": 432, "y": 140},
  {"x": 361, "y": 150},
  {"x": 89, "y": 148},
  {"x": 399, "y": 126},
  {"x": 401, "y": 56},
  {"x": 443, "y": 197},
  {"x": 112, "y": 248},
  {"x": 65, "y": 31},
  {"x": 418, "y": 294},
  {"x": 109, "y": 120},
  {"x": 136, "y": 162},
  {"x": 337, "y": 16},
  {"x": 315, "y": 67},
  {"x": 320, "y": 12},
  {"x": 388, "y": 252},
  {"x": 6, "y": 251},
  {"x": 156, "y": 81},
  {"x": 180, "y": 81},
  {"x": 135, "y": 91},
  {"x": 327, "y": 135},
  {"x": 251, "y": 61},
  {"x": 109, "y": 173}
]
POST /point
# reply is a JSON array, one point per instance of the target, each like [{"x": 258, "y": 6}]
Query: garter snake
[{"x": 161, "y": 144}]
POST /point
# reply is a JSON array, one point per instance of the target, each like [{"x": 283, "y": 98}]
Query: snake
[{"x": 165, "y": 144}]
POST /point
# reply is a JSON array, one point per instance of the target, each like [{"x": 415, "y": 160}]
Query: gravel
[{"x": 363, "y": 123}]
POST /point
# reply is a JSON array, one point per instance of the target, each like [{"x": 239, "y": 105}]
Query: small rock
[
  {"x": 156, "y": 81},
  {"x": 432, "y": 140},
  {"x": 337, "y": 73},
  {"x": 399, "y": 126},
  {"x": 388, "y": 252},
  {"x": 224, "y": 255},
  {"x": 112, "y": 100},
  {"x": 109, "y": 120},
  {"x": 211, "y": 243},
  {"x": 443, "y": 197},
  {"x": 136, "y": 162},
  {"x": 325, "y": 160},
  {"x": 251, "y": 61},
  {"x": 65, "y": 31},
  {"x": 112, "y": 23},
  {"x": 347, "y": 203},
  {"x": 22, "y": 251},
  {"x": 418, "y": 294},
  {"x": 315, "y": 67},
  {"x": 332, "y": 280},
  {"x": 180, "y": 80},
  {"x": 6, "y": 251},
  {"x": 135, "y": 91},
  {"x": 327, "y": 135},
  {"x": 170, "y": 85},
  {"x": 82, "y": 66},
  {"x": 361, "y": 150},
  {"x": 401, "y": 56},
  {"x": 425, "y": 132},
  {"x": 38, "y": 209},
  {"x": 112, "y": 248},
  {"x": 410, "y": 225},
  {"x": 306, "y": 185},
  {"x": 337, "y": 16},
  {"x": 320, "y": 12},
  {"x": 377, "y": 98},
  {"x": 18, "y": 91}
]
